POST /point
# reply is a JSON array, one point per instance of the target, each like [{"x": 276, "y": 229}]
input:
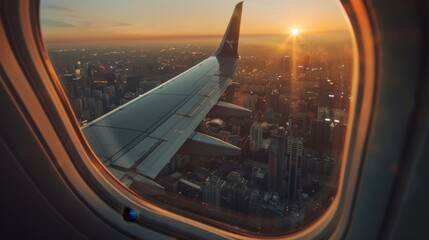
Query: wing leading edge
[{"x": 137, "y": 140}]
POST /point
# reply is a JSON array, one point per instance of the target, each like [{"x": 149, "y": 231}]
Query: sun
[{"x": 294, "y": 31}]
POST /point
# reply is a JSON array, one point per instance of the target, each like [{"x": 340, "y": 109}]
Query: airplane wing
[{"x": 138, "y": 139}]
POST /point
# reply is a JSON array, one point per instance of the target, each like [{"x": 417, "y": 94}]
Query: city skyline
[{"x": 81, "y": 22}]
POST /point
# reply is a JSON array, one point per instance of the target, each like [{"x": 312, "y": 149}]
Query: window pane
[{"x": 294, "y": 74}]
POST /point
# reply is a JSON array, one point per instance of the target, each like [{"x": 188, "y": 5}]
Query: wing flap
[
  {"x": 169, "y": 129},
  {"x": 188, "y": 109},
  {"x": 137, "y": 153}
]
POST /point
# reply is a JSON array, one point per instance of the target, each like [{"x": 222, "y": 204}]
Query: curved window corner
[{"x": 202, "y": 139}]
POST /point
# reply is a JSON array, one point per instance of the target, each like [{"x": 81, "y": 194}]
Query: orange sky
[{"x": 111, "y": 20}]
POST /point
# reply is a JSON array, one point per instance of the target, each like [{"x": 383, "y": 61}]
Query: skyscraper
[
  {"x": 255, "y": 136},
  {"x": 294, "y": 153},
  {"x": 277, "y": 159},
  {"x": 212, "y": 190}
]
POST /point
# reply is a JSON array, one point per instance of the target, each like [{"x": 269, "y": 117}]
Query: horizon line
[{"x": 116, "y": 38}]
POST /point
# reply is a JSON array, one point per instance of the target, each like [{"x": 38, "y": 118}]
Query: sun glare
[{"x": 294, "y": 31}]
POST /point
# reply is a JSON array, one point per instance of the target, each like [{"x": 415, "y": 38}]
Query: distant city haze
[{"x": 105, "y": 22}]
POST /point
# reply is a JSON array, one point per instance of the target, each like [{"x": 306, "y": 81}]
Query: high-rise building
[
  {"x": 99, "y": 110},
  {"x": 78, "y": 108},
  {"x": 294, "y": 153},
  {"x": 106, "y": 102},
  {"x": 68, "y": 84},
  {"x": 90, "y": 78},
  {"x": 78, "y": 79},
  {"x": 234, "y": 192},
  {"x": 255, "y": 136},
  {"x": 97, "y": 94},
  {"x": 250, "y": 101},
  {"x": 87, "y": 92},
  {"x": 148, "y": 85},
  {"x": 273, "y": 164},
  {"x": 212, "y": 191},
  {"x": 277, "y": 159},
  {"x": 274, "y": 100},
  {"x": 110, "y": 90},
  {"x": 284, "y": 108}
]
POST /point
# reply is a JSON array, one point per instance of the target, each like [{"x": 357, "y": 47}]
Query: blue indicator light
[{"x": 130, "y": 214}]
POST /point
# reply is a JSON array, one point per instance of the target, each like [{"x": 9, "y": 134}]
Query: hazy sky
[{"x": 133, "y": 19}]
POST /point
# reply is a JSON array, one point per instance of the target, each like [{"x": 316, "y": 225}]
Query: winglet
[{"x": 229, "y": 45}]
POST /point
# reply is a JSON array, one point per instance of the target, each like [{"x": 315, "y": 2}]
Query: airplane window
[{"x": 252, "y": 144}]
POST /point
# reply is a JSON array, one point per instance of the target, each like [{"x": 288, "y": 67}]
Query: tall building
[
  {"x": 234, "y": 192},
  {"x": 106, "y": 102},
  {"x": 284, "y": 108},
  {"x": 294, "y": 153},
  {"x": 274, "y": 100},
  {"x": 272, "y": 163},
  {"x": 68, "y": 84},
  {"x": 78, "y": 79},
  {"x": 250, "y": 101},
  {"x": 97, "y": 94},
  {"x": 90, "y": 73},
  {"x": 78, "y": 108},
  {"x": 212, "y": 191},
  {"x": 277, "y": 159},
  {"x": 110, "y": 90},
  {"x": 99, "y": 110},
  {"x": 87, "y": 92},
  {"x": 255, "y": 136},
  {"x": 148, "y": 85}
]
